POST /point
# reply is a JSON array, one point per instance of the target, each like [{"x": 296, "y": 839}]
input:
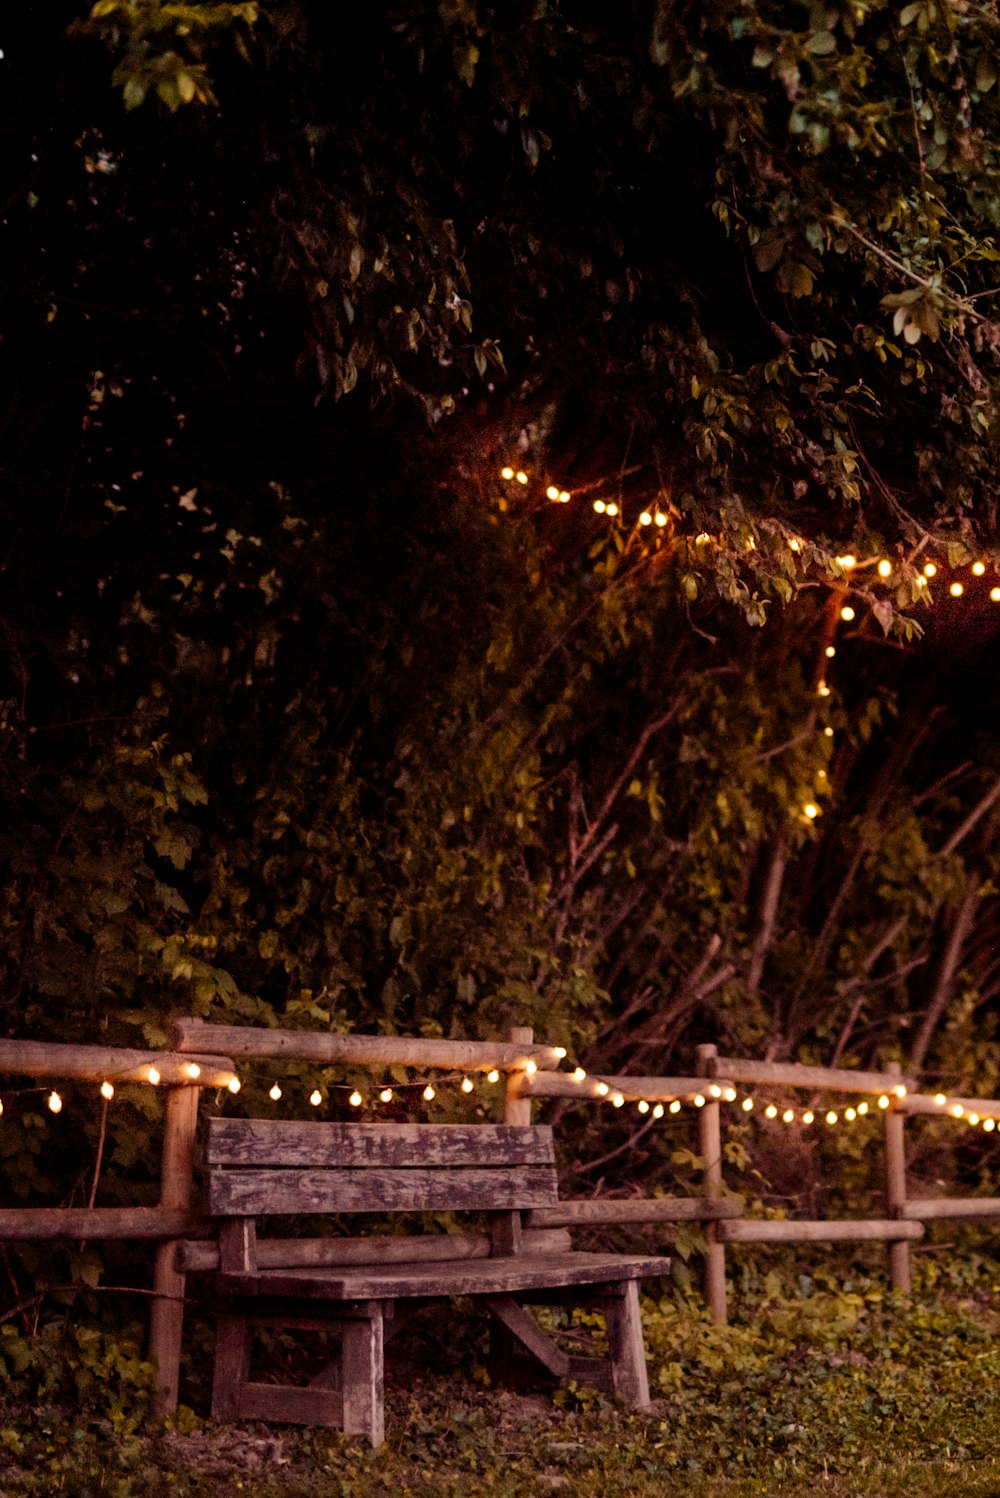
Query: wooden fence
[{"x": 206, "y": 1056}]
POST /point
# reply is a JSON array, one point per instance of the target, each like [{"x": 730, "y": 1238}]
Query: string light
[
  {"x": 521, "y": 477},
  {"x": 107, "y": 1091},
  {"x": 715, "y": 1090},
  {"x": 494, "y": 1075},
  {"x": 956, "y": 590},
  {"x": 850, "y": 1114},
  {"x": 564, "y": 496},
  {"x": 748, "y": 1105},
  {"x": 847, "y": 613},
  {"x": 612, "y": 509},
  {"x": 645, "y": 518},
  {"x": 385, "y": 1096},
  {"x": 930, "y": 570},
  {"x": 275, "y": 1093},
  {"x": 603, "y": 1089},
  {"x": 559, "y": 1051},
  {"x": 506, "y": 473},
  {"x": 531, "y": 1067},
  {"x": 579, "y": 1075},
  {"x": 193, "y": 1070},
  {"x": 552, "y": 492},
  {"x": 699, "y": 1101},
  {"x": 643, "y": 1106},
  {"x": 466, "y": 1084},
  {"x": 234, "y": 1085},
  {"x": 847, "y": 563},
  {"x": 788, "y": 1116},
  {"x": 956, "y": 1110},
  {"x": 55, "y": 1102},
  {"x": 770, "y": 1111},
  {"x": 978, "y": 568},
  {"x": 316, "y": 1097},
  {"x": 730, "y": 1094},
  {"x": 831, "y": 1117},
  {"x": 428, "y": 1094},
  {"x": 830, "y": 652},
  {"x": 973, "y": 1119},
  {"x": 355, "y": 1099},
  {"x": 883, "y": 1101},
  {"x": 675, "y": 1106},
  {"x": 884, "y": 568},
  {"x": 862, "y": 1109},
  {"x": 660, "y": 519},
  {"x": 600, "y": 506},
  {"x": 153, "y": 1075},
  {"x": 618, "y": 1100},
  {"x": 808, "y": 1116},
  {"x": 989, "y": 1124},
  {"x": 940, "y": 1099},
  {"x": 658, "y": 1111},
  {"x": 810, "y": 810}
]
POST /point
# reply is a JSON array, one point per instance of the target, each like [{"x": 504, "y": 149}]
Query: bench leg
[
  {"x": 362, "y": 1378},
  {"x": 628, "y": 1356},
  {"x": 232, "y": 1366}
]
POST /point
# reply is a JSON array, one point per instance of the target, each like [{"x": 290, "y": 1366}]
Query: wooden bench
[{"x": 260, "y": 1169}]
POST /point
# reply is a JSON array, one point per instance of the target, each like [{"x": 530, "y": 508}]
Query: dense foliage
[{"x": 308, "y": 714}]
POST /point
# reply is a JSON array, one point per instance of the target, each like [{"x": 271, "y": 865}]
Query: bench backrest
[{"x": 259, "y": 1168}]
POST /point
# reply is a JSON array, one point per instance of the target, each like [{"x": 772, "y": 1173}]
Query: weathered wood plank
[
  {"x": 929, "y": 1209},
  {"x": 530, "y": 1335},
  {"x": 635, "y": 1209},
  {"x": 791, "y": 1074},
  {"x": 232, "y": 1365},
  {"x": 752, "y": 1230},
  {"x": 144, "y": 1224},
  {"x": 310, "y": 1405},
  {"x": 628, "y": 1356},
  {"x": 361, "y": 1364},
  {"x": 259, "y": 1141},
  {"x": 238, "y": 1246},
  {"x": 259, "y": 1193},
  {"x": 95, "y": 1063},
  {"x": 486, "y": 1277},
  {"x": 245, "y": 1042},
  {"x": 506, "y": 1234},
  {"x": 290, "y": 1253}
]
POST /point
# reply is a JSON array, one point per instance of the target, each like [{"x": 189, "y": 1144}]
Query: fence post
[
  {"x": 166, "y": 1322},
  {"x": 710, "y": 1149},
  {"x": 895, "y": 1182},
  {"x": 517, "y": 1109}
]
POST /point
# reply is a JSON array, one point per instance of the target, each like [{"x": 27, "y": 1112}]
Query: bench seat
[{"x": 436, "y": 1281}]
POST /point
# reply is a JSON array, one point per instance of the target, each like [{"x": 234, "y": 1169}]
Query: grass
[{"x": 836, "y": 1390}]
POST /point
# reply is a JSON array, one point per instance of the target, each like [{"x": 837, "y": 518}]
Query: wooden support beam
[
  {"x": 526, "y": 1330},
  {"x": 632, "y": 1089},
  {"x": 247, "y": 1043},
  {"x": 517, "y": 1100},
  {"x": 141, "y": 1224},
  {"x": 176, "y": 1182},
  {"x": 754, "y": 1230},
  {"x": 791, "y": 1074},
  {"x": 922, "y": 1103},
  {"x": 710, "y": 1149},
  {"x": 930, "y": 1209},
  {"x": 895, "y": 1186},
  {"x": 319, "y": 1253},
  {"x": 635, "y": 1209},
  {"x": 95, "y": 1063}
]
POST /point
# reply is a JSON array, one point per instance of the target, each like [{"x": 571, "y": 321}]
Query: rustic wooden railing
[{"x": 206, "y": 1056}]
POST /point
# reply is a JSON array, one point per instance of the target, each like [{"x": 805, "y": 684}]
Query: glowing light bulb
[
  {"x": 55, "y": 1102},
  {"x": 579, "y": 1075},
  {"x": 788, "y": 1116},
  {"x": 956, "y": 1110},
  {"x": 862, "y": 1109},
  {"x": 675, "y": 1106},
  {"x": 730, "y": 1094},
  {"x": 850, "y": 1114},
  {"x": 385, "y": 1096},
  {"x": 847, "y": 613},
  {"x": 930, "y": 570},
  {"x": 940, "y": 1099},
  {"x": 995, "y": 595},
  {"x": 107, "y": 1091},
  {"x": 275, "y": 1093},
  {"x": 747, "y": 1105},
  {"x": 702, "y": 538},
  {"x": 153, "y": 1075},
  {"x": 612, "y": 509},
  {"x": 978, "y": 568},
  {"x": 564, "y": 496},
  {"x": 822, "y": 690},
  {"x": 531, "y": 1067},
  {"x": 831, "y": 651},
  {"x": 428, "y": 1094},
  {"x": 466, "y": 1084},
  {"x": 847, "y": 562},
  {"x": 989, "y": 1124},
  {"x": 600, "y": 506},
  {"x": 559, "y": 1051},
  {"x": 618, "y": 1100},
  {"x": 506, "y": 473},
  {"x": 770, "y": 1111},
  {"x": 973, "y": 1119},
  {"x": 810, "y": 810},
  {"x": 603, "y": 1089},
  {"x": 831, "y": 1117},
  {"x": 795, "y": 544},
  {"x": 808, "y": 1117},
  {"x": 698, "y": 1100},
  {"x": 884, "y": 568},
  {"x": 883, "y": 1101},
  {"x": 900, "y": 1089},
  {"x": 921, "y": 581},
  {"x": 715, "y": 1090},
  {"x": 522, "y": 478},
  {"x": 645, "y": 518},
  {"x": 355, "y": 1099},
  {"x": 316, "y": 1097},
  {"x": 193, "y": 1070},
  {"x": 234, "y": 1084},
  {"x": 828, "y": 731},
  {"x": 552, "y": 492},
  {"x": 493, "y": 1076},
  {"x": 643, "y": 1106},
  {"x": 658, "y": 1111},
  {"x": 660, "y": 518},
  {"x": 956, "y": 590}
]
